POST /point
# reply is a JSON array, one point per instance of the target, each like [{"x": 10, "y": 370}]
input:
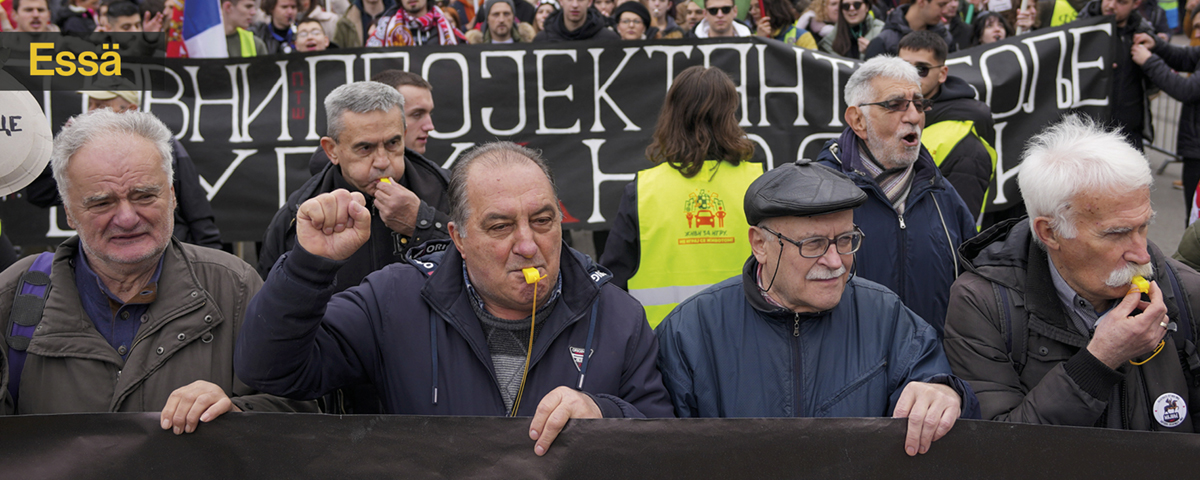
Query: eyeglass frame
[
  {"x": 846, "y": 5},
  {"x": 923, "y": 70},
  {"x": 831, "y": 241},
  {"x": 926, "y": 104},
  {"x": 632, "y": 21},
  {"x": 724, "y": 10}
]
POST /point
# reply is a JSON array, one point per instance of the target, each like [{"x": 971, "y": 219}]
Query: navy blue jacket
[
  {"x": 409, "y": 330},
  {"x": 914, "y": 255},
  {"x": 726, "y": 352}
]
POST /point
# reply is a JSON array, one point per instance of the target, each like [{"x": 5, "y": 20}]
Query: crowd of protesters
[{"x": 388, "y": 284}]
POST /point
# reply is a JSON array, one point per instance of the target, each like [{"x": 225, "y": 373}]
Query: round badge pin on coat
[{"x": 1170, "y": 410}]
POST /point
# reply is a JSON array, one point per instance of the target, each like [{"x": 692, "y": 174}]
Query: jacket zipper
[{"x": 798, "y": 375}]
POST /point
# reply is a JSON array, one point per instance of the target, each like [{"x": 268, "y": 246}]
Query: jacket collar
[
  {"x": 66, "y": 329},
  {"x": 756, "y": 300},
  {"x": 446, "y": 292}
]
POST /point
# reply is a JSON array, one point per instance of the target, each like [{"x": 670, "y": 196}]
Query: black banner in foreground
[
  {"x": 293, "y": 446},
  {"x": 251, "y": 125}
]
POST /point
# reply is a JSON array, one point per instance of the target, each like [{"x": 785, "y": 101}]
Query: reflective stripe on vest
[
  {"x": 692, "y": 231},
  {"x": 941, "y": 138},
  {"x": 246, "y": 39},
  {"x": 1063, "y": 14}
]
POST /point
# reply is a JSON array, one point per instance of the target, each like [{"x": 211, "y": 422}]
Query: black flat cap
[{"x": 800, "y": 189}]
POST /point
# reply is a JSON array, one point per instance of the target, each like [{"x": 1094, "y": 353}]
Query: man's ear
[
  {"x": 943, "y": 72},
  {"x": 857, "y": 120},
  {"x": 1045, "y": 233},
  {"x": 328, "y": 144},
  {"x": 758, "y": 243},
  {"x": 452, "y": 228}
]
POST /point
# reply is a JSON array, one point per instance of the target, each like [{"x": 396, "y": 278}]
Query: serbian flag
[{"x": 203, "y": 30}]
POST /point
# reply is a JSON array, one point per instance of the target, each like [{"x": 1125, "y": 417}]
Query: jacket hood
[
  {"x": 594, "y": 22},
  {"x": 957, "y": 100},
  {"x": 701, "y": 29},
  {"x": 1003, "y": 246}
]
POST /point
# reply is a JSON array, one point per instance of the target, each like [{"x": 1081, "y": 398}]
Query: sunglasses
[
  {"x": 901, "y": 104},
  {"x": 852, "y": 5},
  {"x": 923, "y": 70},
  {"x": 713, "y": 10}
]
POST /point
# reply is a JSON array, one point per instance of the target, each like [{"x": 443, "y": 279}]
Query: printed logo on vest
[
  {"x": 577, "y": 356},
  {"x": 1170, "y": 410},
  {"x": 705, "y": 209}
]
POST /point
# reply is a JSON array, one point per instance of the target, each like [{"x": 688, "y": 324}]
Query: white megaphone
[{"x": 25, "y": 140}]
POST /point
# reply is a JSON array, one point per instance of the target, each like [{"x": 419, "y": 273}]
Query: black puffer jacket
[
  {"x": 595, "y": 27},
  {"x": 968, "y": 166}
]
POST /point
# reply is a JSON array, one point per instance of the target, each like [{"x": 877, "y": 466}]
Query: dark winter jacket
[
  {"x": 1061, "y": 383},
  {"x": 80, "y": 23},
  {"x": 968, "y": 166},
  {"x": 194, "y": 218},
  {"x": 726, "y": 352},
  {"x": 914, "y": 254},
  {"x": 595, "y": 27},
  {"x": 1158, "y": 69},
  {"x": 275, "y": 44},
  {"x": 427, "y": 180},
  {"x": 895, "y": 28},
  {"x": 410, "y": 330},
  {"x": 1127, "y": 101},
  {"x": 961, "y": 32}
]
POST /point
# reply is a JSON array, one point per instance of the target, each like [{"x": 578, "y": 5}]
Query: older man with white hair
[
  {"x": 1045, "y": 325},
  {"x": 915, "y": 214},
  {"x": 123, "y": 317}
]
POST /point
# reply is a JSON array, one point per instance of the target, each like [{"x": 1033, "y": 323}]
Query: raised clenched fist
[{"x": 333, "y": 225}]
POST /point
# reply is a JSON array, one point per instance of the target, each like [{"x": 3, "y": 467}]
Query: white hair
[
  {"x": 859, "y": 88},
  {"x": 1075, "y": 156},
  {"x": 359, "y": 97},
  {"x": 104, "y": 123}
]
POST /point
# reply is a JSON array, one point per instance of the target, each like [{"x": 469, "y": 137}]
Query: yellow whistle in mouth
[
  {"x": 385, "y": 180},
  {"x": 531, "y": 275},
  {"x": 1139, "y": 282}
]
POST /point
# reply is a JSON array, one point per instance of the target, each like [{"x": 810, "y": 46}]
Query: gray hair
[
  {"x": 359, "y": 97},
  {"x": 859, "y": 88},
  {"x": 498, "y": 154},
  {"x": 104, "y": 123},
  {"x": 1069, "y": 158}
]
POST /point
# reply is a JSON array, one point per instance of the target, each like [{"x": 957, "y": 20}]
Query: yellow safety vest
[
  {"x": 246, "y": 39},
  {"x": 1063, "y": 14},
  {"x": 693, "y": 232},
  {"x": 941, "y": 138}
]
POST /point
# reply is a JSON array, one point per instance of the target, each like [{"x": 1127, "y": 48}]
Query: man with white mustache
[
  {"x": 797, "y": 334},
  {"x": 1045, "y": 325},
  {"x": 914, "y": 212}
]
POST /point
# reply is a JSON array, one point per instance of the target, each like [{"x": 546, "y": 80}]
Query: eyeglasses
[
  {"x": 901, "y": 104},
  {"x": 306, "y": 34},
  {"x": 815, "y": 247},
  {"x": 923, "y": 70},
  {"x": 631, "y": 21},
  {"x": 713, "y": 10},
  {"x": 852, "y": 5}
]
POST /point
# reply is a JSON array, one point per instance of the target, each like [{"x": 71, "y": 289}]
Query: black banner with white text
[{"x": 251, "y": 125}]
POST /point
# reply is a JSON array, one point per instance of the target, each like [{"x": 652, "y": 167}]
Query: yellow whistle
[
  {"x": 1138, "y": 282},
  {"x": 385, "y": 180},
  {"x": 531, "y": 275}
]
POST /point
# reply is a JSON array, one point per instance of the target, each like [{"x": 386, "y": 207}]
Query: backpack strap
[
  {"x": 1185, "y": 343},
  {"x": 1016, "y": 330},
  {"x": 32, "y": 290}
]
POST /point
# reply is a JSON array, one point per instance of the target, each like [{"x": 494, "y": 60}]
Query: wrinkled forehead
[{"x": 891, "y": 88}]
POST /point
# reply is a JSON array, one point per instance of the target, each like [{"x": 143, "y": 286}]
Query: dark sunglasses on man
[
  {"x": 923, "y": 70},
  {"x": 726, "y": 9}
]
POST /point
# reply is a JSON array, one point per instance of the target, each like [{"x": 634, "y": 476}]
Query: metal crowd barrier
[{"x": 1164, "y": 112}]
